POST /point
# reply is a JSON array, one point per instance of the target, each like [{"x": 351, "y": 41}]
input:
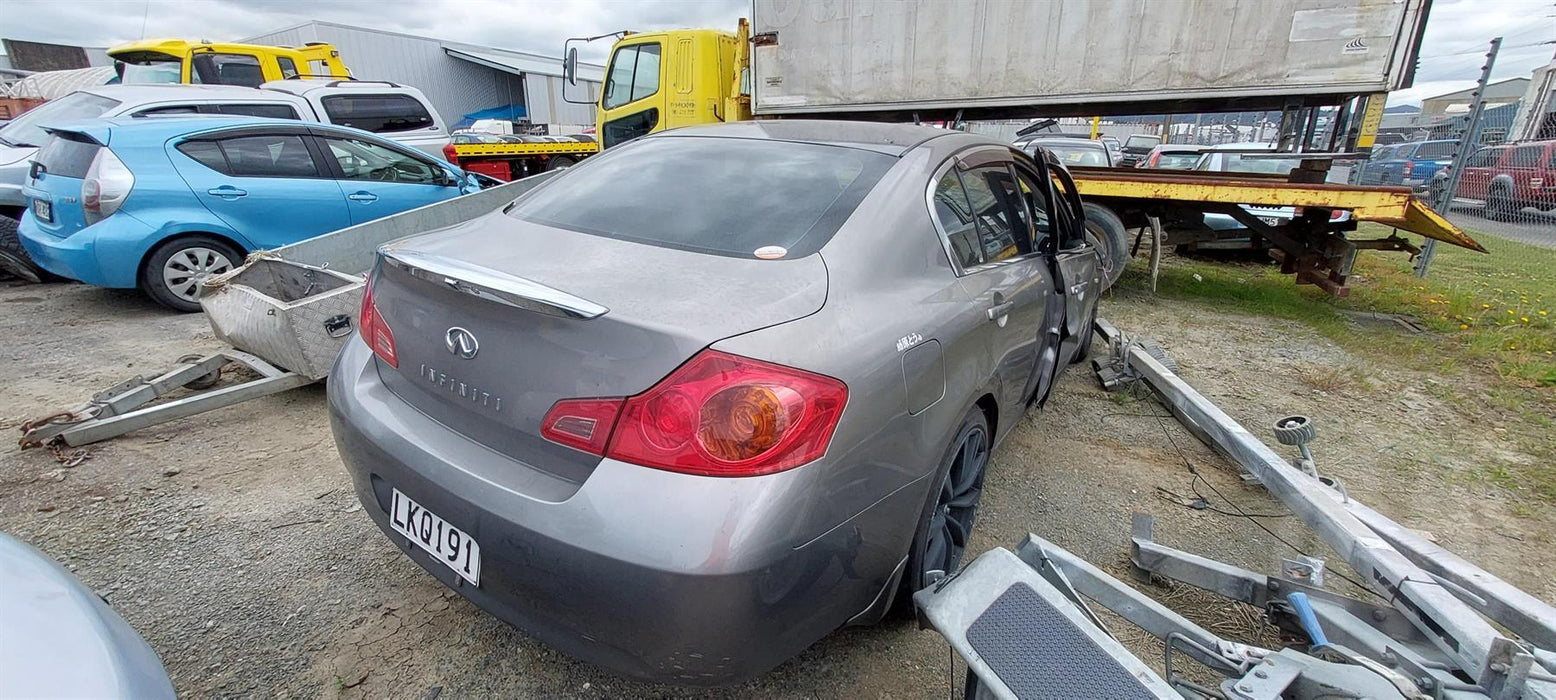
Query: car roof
[
  {"x": 169, "y": 126},
  {"x": 303, "y": 86},
  {"x": 1184, "y": 147},
  {"x": 160, "y": 91},
  {"x": 1242, "y": 146},
  {"x": 1067, "y": 140},
  {"x": 891, "y": 139}
]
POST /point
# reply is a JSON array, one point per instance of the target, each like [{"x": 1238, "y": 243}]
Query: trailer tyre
[
  {"x": 14, "y": 259},
  {"x": 559, "y": 162},
  {"x": 172, "y": 272},
  {"x": 1105, "y": 232}
]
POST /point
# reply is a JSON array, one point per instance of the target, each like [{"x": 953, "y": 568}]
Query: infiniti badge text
[{"x": 461, "y": 389}]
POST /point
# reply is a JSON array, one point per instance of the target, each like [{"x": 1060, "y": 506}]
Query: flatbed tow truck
[
  {"x": 515, "y": 161},
  {"x": 854, "y": 65}
]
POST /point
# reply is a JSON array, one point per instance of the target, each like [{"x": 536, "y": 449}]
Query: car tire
[
  {"x": 1105, "y": 232},
  {"x": 952, "y": 505},
  {"x": 14, "y": 259},
  {"x": 1499, "y": 205},
  {"x": 200, "y": 255},
  {"x": 559, "y": 162}
]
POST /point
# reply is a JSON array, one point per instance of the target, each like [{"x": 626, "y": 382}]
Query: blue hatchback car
[{"x": 162, "y": 203}]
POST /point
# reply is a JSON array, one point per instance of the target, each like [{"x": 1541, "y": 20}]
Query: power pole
[{"x": 1467, "y": 141}]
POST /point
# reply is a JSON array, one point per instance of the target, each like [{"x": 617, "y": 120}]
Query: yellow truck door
[{"x": 632, "y": 103}]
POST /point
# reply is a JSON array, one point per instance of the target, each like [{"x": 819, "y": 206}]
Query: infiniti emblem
[{"x": 461, "y": 342}]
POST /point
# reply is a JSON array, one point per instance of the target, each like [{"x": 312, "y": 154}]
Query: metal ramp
[{"x": 1024, "y": 638}]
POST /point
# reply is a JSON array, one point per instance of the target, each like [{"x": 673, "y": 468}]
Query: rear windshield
[
  {"x": 1079, "y": 155},
  {"x": 1440, "y": 149},
  {"x": 380, "y": 114},
  {"x": 1142, "y": 141},
  {"x": 1177, "y": 161},
  {"x": 27, "y": 130},
  {"x": 67, "y": 155},
  {"x": 711, "y": 195}
]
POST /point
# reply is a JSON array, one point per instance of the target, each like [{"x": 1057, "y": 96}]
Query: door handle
[
  {"x": 364, "y": 197},
  {"x": 226, "y": 191},
  {"x": 998, "y": 311}
]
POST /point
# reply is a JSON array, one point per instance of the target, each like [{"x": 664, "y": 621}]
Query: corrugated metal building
[{"x": 460, "y": 79}]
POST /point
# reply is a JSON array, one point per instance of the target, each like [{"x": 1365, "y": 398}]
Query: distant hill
[{"x": 1403, "y": 109}]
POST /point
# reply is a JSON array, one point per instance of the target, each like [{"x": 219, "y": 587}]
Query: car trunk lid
[
  {"x": 55, "y": 177},
  {"x": 498, "y": 318}
]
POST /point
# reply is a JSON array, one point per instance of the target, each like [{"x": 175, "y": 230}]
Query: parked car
[
  {"x": 1408, "y": 164},
  {"x": 1071, "y": 151},
  {"x": 63, "y": 641},
  {"x": 475, "y": 137},
  {"x": 603, "y": 414},
  {"x": 1507, "y": 178},
  {"x": 1257, "y": 158},
  {"x": 160, "y": 204},
  {"x": 1115, "y": 147},
  {"x": 1138, "y": 146},
  {"x": 379, "y": 107},
  {"x": 1172, "y": 156}
]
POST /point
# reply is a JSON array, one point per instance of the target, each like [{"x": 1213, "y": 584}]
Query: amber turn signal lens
[{"x": 744, "y": 421}]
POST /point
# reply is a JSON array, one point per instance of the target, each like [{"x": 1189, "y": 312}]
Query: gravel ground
[{"x": 233, "y": 543}]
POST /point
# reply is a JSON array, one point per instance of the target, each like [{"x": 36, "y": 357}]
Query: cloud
[
  {"x": 1459, "y": 32},
  {"x": 539, "y": 26}
]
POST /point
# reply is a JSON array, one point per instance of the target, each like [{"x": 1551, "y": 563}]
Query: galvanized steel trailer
[
  {"x": 287, "y": 312},
  {"x": 1024, "y": 623}
]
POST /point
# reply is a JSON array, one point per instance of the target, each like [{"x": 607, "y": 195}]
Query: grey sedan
[{"x": 706, "y": 397}]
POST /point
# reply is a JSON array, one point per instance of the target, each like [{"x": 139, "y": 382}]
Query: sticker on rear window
[{"x": 770, "y": 252}]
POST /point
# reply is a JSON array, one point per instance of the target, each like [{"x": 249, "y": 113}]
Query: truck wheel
[
  {"x": 14, "y": 259},
  {"x": 172, "y": 274},
  {"x": 1105, "y": 232},
  {"x": 559, "y": 162}
]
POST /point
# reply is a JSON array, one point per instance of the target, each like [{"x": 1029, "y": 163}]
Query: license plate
[
  {"x": 446, "y": 543},
  {"x": 43, "y": 209}
]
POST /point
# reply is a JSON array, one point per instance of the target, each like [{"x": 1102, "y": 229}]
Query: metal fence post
[{"x": 1467, "y": 141}]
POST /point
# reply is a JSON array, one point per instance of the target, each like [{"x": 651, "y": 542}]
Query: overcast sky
[{"x": 1456, "y": 33}]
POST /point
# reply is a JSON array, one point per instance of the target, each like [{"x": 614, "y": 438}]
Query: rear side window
[
  {"x": 272, "y": 111},
  {"x": 997, "y": 208},
  {"x": 711, "y": 195},
  {"x": 1526, "y": 157},
  {"x": 67, "y": 155},
  {"x": 288, "y": 67},
  {"x": 1483, "y": 158},
  {"x": 379, "y": 114},
  {"x": 1382, "y": 153},
  {"x": 226, "y": 69},
  {"x": 1435, "y": 151},
  {"x": 273, "y": 155},
  {"x": 956, "y": 220}
]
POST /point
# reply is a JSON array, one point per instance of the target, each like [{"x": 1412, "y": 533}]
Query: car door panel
[
  {"x": 1007, "y": 285},
  {"x": 379, "y": 180},
  {"x": 258, "y": 183}
]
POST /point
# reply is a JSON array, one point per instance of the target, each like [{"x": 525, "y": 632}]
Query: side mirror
[{"x": 570, "y": 67}]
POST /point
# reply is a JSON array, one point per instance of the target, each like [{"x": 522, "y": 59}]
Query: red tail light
[
  {"x": 374, "y": 331},
  {"x": 449, "y": 154},
  {"x": 1155, "y": 157},
  {"x": 716, "y": 415},
  {"x": 1409, "y": 166},
  {"x": 583, "y": 424}
]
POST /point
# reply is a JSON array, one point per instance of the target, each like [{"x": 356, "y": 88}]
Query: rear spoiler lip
[
  {"x": 485, "y": 283},
  {"x": 98, "y": 136}
]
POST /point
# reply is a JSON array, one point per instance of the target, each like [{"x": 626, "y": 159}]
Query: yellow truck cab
[
  {"x": 663, "y": 80},
  {"x": 207, "y": 63}
]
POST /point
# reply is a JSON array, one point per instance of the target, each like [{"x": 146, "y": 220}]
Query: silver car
[{"x": 704, "y": 398}]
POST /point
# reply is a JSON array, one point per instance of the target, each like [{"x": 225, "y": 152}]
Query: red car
[{"x": 1508, "y": 177}]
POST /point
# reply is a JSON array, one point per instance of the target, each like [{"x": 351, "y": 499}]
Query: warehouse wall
[
  {"x": 455, "y": 87},
  {"x": 543, "y": 97}
]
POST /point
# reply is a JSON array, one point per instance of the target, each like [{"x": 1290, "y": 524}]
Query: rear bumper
[
  {"x": 80, "y": 256},
  {"x": 651, "y": 574}
]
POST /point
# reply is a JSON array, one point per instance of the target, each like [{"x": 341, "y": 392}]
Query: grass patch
[{"x": 1491, "y": 315}]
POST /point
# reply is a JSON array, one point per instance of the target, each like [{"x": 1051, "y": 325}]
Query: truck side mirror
[{"x": 570, "y": 67}]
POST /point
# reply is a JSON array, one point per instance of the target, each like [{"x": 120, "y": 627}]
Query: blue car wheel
[{"x": 173, "y": 272}]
